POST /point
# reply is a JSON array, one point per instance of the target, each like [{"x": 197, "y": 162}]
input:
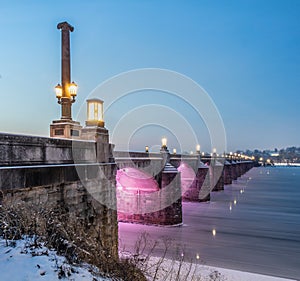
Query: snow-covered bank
[
  {"x": 20, "y": 262},
  {"x": 200, "y": 272}
]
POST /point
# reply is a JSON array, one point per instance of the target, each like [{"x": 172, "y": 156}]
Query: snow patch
[{"x": 21, "y": 262}]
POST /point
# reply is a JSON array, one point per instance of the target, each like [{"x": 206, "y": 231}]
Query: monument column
[
  {"x": 66, "y": 103},
  {"x": 66, "y": 91}
]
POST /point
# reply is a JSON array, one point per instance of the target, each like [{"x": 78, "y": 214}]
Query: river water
[{"x": 256, "y": 222}]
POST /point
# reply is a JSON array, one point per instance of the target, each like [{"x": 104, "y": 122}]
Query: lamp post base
[
  {"x": 101, "y": 137},
  {"x": 96, "y": 133},
  {"x": 65, "y": 129}
]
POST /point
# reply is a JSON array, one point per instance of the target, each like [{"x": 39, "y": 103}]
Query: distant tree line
[{"x": 284, "y": 155}]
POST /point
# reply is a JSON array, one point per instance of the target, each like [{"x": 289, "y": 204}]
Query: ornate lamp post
[{"x": 66, "y": 91}]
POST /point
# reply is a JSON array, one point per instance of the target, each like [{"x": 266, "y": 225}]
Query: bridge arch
[
  {"x": 135, "y": 181},
  {"x": 188, "y": 178},
  {"x": 143, "y": 199}
]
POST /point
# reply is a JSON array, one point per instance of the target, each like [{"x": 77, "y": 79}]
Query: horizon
[{"x": 244, "y": 55}]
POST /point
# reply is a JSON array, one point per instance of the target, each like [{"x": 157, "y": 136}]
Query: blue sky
[{"x": 245, "y": 54}]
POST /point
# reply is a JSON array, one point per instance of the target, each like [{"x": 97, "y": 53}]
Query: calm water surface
[{"x": 257, "y": 224}]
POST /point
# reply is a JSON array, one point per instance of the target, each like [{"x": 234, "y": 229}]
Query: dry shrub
[{"x": 68, "y": 236}]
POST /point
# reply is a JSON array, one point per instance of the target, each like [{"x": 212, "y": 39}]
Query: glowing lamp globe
[
  {"x": 73, "y": 89},
  {"x": 164, "y": 142},
  {"x": 58, "y": 91},
  {"x": 95, "y": 113}
]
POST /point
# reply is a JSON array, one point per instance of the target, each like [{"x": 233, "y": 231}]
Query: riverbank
[
  {"x": 287, "y": 164},
  {"x": 169, "y": 271}
]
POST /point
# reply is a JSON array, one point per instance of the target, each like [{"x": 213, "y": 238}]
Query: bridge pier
[
  {"x": 227, "y": 172},
  {"x": 234, "y": 172},
  {"x": 238, "y": 168},
  {"x": 217, "y": 175},
  {"x": 195, "y": 184},
  {"x": 203, "y": 183},
  {"x": 171, "y": 195}
]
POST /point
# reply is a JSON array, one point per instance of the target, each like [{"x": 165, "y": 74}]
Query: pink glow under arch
[
  {"x": 187, "y": 175},
  {"x": 134, "y": 181}
]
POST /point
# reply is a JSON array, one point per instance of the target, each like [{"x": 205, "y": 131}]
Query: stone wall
[
  {"x": 60, "y": 187},
  {"x": 39, "y": 171},
  {"x": 21, "y": 150}
]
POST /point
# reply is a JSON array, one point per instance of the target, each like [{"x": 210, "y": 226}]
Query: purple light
[
  {"x": 137, "y": 192},
  {"x": 187, "y": 176},
  {"x": 135, "y": 181}
]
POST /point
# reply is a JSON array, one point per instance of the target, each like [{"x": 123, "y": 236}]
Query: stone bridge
[
  {"x": 151, "y": 186},
  {"x": 96, "y": 184},
  {"x": 100, "y": 186}
]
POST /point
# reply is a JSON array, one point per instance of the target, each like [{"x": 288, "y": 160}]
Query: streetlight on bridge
[
  {"x": 95, "y": 114},
  {"x": 198, "y": 148},
  {"x": 164, "y": 143}
]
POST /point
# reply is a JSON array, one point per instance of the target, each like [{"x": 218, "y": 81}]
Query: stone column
[
  {"x": 65, "y": 127},
  {"x": 65, "y": 70}
]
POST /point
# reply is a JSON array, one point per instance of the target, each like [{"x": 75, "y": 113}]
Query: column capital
[{"x": 65, "y": 26}]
